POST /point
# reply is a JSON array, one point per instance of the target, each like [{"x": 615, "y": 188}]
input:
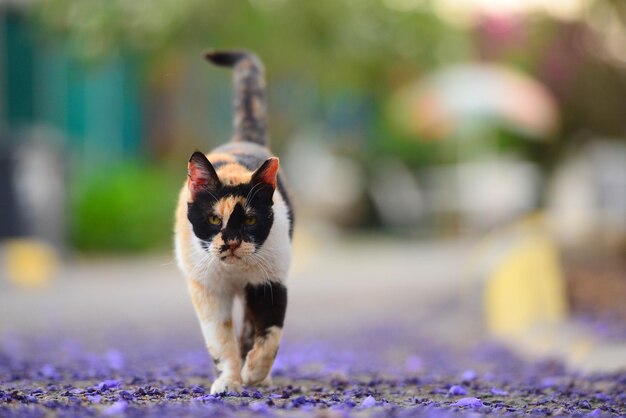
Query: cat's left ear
[{"x": 266, "y": 174}]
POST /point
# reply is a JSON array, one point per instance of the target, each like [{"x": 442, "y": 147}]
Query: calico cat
[{"x": 233, "y": 229}]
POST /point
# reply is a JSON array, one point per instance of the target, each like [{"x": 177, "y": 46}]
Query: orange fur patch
[
  {"x": 220, "y": 157},
  {"x": 225, "y": 206},
  {"x": 233, "y": 174}
]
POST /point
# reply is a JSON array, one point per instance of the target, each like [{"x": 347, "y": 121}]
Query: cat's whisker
[
  {"x": 266, "y": 263},
  {"x": 202, "y": 267},
  {"x": 249, "y": 198},
  {"x": 266, "y": 276},
  {"x": 255, "y": 193}
]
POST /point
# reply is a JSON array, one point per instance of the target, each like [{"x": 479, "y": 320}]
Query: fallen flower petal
[
  {"x": 368, "y": 402},
  {"x": 499, "y": 392},
  {"x": 456, "y": 390},
  {"x": 117, "y": 408},
  {"x": 472, "y": 402}
]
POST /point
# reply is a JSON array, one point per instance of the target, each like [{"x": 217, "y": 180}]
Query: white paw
[
  {"x": 267, "y": 382},
  {"x": 256, "y": 376},
  {"x": 225, "y": 384}
]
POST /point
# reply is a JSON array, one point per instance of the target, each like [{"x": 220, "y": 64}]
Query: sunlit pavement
[
  {"x": 331, "y": 287},
  {"x": 373, "y": 328}
]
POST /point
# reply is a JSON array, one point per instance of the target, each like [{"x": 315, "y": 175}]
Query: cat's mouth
[
  {"x": 233, "y": 256},
  {"x": 230, "y": 258}
]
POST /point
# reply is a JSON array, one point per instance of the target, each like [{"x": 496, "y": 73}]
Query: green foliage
[
  {"x": 129, "y": 207},
  {"x": 357, "y": 39}
]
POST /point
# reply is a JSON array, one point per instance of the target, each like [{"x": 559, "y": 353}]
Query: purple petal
[
  {"x": 49, "y": 371},
  {"x": 109, "y": 384},
  {"x": 94, "y": 398},
  {"x": 368, "y": 402},
  {"x": 117, "y": 408},
  {"x": 468, "y": 375},
  {"x": 258, "y": 406},
  {"x": 595, "y": 413},
  {"x": 499, "y": 392},
  {"x": 115, "y": 359},
  {"x": 457, "y": 390},
  {"x": 472, "y": 402},
  {"x": 548, "y": 382}
]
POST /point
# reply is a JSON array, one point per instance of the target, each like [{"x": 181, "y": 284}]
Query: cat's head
[{"x": 232, "y": 215}]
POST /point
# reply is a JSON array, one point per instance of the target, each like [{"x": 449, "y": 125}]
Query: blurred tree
[{"x": 359, "y": 40}]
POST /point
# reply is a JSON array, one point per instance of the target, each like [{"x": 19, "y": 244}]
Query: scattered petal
[
  {"x": 499, "y": 392},
  {"x": 457, "y": 390},
  {"x": 368, "y": 402},
  {"x": 468, "y": 375},
  {"x": 471, "y": 402},
  {"x": 94, "y": 398},
  {"x": 116, "y": 408},
  {"x": 115, "y": 359}
]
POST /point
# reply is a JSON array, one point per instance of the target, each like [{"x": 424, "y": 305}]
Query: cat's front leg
[
  {"x": 265, "y": 310},
  {"x": 214, "y": 312}
]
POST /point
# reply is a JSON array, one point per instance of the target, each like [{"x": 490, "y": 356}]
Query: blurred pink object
[{"x": 455, "y": 100}]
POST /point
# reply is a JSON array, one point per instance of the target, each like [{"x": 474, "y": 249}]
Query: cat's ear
[
  {"x": 266, "y": 174},
  {"x": 201, "y": 174}
]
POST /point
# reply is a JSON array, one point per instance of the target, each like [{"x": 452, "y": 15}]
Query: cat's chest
[{"x": 256, "y": 271}]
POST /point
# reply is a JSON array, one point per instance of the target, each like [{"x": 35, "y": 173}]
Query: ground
[{"x": 368, "y": 333}]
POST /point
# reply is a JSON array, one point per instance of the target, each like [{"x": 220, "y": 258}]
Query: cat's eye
[
  {"x": 250, "y": 220},
  {"x": 215, "y": 220}
]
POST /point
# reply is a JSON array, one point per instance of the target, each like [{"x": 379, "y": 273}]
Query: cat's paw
[
  {"x": 267, "y": 382},
  {"x": 224, "y": 385},
  {"x": 259, "y": 376}
]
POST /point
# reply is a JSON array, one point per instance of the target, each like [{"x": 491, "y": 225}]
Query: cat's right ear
[{"x": 201, "y": 175}]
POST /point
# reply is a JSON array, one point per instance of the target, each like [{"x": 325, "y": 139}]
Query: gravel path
[
  {"x": 379, "y": 372},
  {"x": 373, "y": 329}
]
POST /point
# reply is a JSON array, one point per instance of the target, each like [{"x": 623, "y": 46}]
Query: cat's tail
[{"x": 250, "y": 114}]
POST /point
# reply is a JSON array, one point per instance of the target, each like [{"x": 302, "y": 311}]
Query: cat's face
[{"x": 232, "y": 221}]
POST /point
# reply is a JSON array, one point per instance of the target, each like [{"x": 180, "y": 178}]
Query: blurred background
[{"x": 458, "y": 164}]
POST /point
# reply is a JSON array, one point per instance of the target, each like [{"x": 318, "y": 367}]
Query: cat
[{"x": 234, "y": 224}]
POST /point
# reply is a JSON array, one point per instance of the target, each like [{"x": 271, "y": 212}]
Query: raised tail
[{"x": 250, "y": 108}]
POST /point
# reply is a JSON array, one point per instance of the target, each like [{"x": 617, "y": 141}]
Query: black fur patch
[
  {"x": 265, "y": 306},
  {"x": 198, "y": 213}
]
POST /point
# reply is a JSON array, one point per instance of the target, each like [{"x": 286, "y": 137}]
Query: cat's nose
[{"x": 233, "y": 245}]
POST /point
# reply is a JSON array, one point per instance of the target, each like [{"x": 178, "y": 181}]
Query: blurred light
[
  {"x": 29, "y": 263},
  {"x": 327, "y": 184},
  {"x": 405, "y": 5},
  {"x": 508, "y": 188},
  {"x": 464, "y": 11},
  {"x": 587, "y": 196},
  {"x": 605, "y": 23},
  {"x": 448, "y": 101},
  {"x": 396, "y": 193}
]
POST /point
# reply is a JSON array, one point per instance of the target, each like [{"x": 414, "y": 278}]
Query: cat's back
[{"x": 248, "y": 155}]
